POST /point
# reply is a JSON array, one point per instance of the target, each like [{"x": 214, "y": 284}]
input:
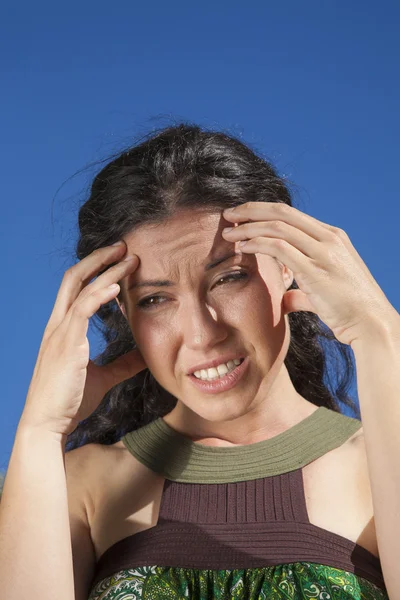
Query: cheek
[
  {"x": 258, "y": 314},
  {"x": 153, "y": 339},
  {"x": 264, "y": 323}
]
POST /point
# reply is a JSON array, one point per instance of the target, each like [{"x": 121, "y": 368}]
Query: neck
[{"x": 280, "y": 408}]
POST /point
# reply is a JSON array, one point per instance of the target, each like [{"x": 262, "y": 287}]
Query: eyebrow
[{"x": 167, "y": 283}]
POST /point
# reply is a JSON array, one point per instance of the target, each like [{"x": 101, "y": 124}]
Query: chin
[{"x": 218, "y": 411}]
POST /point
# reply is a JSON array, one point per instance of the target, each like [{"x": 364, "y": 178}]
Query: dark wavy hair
[{"x": 178, "y": 167}]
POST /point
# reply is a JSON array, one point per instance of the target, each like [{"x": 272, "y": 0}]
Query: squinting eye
[
  {"x": 235, "y": 276},
  {"x": 146, "y": 303}
]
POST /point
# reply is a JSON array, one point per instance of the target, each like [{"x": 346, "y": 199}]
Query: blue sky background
[{"x": 314, "y": 85}]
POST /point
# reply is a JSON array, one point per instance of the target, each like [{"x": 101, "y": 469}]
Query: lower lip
[{"x": 222, "y": 384}]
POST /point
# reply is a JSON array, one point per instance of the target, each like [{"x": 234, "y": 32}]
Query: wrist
[
  {"x": 27, "y": 427},
  {"x": 383, "y": 335},
  {"x": 383, "y": 328}
]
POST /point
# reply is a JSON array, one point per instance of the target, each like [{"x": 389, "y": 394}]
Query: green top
[{"x": 178, "y": 458}]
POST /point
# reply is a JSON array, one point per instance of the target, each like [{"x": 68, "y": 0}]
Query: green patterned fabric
[{"x": 294, "y": 581}]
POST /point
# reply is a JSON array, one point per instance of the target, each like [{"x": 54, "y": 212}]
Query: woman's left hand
[{"x": 333, "y": 280}]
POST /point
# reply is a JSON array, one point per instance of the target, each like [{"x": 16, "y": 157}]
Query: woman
[{"x": 205, "y": 456}]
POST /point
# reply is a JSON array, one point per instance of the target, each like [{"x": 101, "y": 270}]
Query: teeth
[
  {"x": 216, "y": 372},
  {"x": 222, "y": 369}
]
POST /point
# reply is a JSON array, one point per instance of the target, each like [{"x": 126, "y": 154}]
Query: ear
[
  {"x": 122, "y": 307},
  {"x": 287, "y": 275}
]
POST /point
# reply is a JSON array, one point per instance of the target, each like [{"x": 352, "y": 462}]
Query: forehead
[
  {"x": 181, "y": 247},
  {"x": 189, "y": 235}
]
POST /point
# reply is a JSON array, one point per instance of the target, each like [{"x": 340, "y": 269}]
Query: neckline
[{"x": 178, "y": 458}]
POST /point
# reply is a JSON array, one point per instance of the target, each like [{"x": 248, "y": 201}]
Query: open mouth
[
  {"x": 231, "y": 365},
  {"x": 222, "y": 382}
]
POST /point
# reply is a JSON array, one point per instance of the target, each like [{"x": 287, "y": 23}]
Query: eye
[
  {"x": 235, "y": 276},
  {"x": 149, "y": 302}
]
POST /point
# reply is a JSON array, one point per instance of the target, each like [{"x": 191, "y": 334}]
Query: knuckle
[
  {"x": 70, "y": 273},
  {"x": 284, "y": 208},
  {"x": 78, "y": 310},
  {"x": 46, "y": 336},
  {"x": 97, "y": 252},
  {"x": 279, "y": 243},
  {"x": 337, "y": 232},
  {"x": 342, "y": 234},
  {"x": 85, "y": 292},
  {"x": 48, "y": 330},
  {"x": 278, "y": 225},
  {"x": 99, "y": 293}
]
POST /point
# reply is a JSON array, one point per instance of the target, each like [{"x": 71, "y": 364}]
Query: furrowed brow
[{"x": 167, "y": 283}]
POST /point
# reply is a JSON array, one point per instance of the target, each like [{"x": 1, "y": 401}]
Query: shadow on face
[{"x": 196, "y": 297}]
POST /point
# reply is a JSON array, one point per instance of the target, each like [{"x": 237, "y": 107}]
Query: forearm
[
  {"x": 35, "y": 539},
  {"x": 377, "y": 356}
]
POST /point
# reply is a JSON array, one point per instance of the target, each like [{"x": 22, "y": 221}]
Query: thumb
[
  {"x": 296, "y": 300},
  {"x": 123, "y": 367}
]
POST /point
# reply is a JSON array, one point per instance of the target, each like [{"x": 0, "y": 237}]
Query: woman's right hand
[{"x": 67, "y": 386}]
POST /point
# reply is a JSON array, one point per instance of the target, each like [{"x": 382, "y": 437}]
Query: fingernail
[
  {"x": 230, "y": 209},
  {"x": 227, "y": 229},
  {"x": 117, "y": 243},
  {"x": 130, "y": 257}
]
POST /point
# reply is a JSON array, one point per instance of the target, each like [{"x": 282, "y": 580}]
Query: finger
[
  {"x": 295, "y": 260},
  {"x": 76, "y": 277},
  {"x": 275, "y": 229},
  {"x": 278, "y": 211},
  {"x": 75, "y": 325},
  {"x": 113, "y": 275}
]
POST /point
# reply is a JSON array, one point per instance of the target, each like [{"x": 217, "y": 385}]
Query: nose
[{"x": 202, "y": 326}]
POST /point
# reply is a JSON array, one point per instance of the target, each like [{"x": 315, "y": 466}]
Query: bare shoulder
[
  {"x": 84, "y": 468},
  {"x": 83, "y": 461},
  {"x": 87, "y": 458}
]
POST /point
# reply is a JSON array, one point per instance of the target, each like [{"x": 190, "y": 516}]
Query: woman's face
[{"x": 233, "y": 308}]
